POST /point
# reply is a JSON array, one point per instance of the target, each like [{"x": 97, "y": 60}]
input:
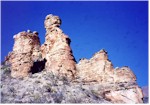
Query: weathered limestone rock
[
  {"x": 56, "y": 49},
  {"x": 26, "y": 50},
  {"x": 124, "y": 74},
  {"x": 100, "y": 70},
  {"x": 133, "y": 96}
]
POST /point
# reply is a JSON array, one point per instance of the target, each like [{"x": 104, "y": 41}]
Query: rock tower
[
  {"x": 26, "y": 50},
  {"x": 56, "y": 49}
]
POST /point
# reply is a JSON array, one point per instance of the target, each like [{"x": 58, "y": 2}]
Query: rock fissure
[{"x": 127, "y": 98}]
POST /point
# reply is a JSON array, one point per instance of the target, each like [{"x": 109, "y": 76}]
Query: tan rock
[
  {"x": 52, "y": 21},
  {"x": 26, "y": 50},
  {"x": 98, "y": 68},
  {"x": 128, "y": 96},
  {"x": 56, "y": 49},
  {"x": 124, "y": 74}
]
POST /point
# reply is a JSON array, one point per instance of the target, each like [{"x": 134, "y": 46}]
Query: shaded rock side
[
  {"x": 145, "y": 90},
  {"x": 26, "y": 50},
  {"x": 100, "y": 69},
  {"x": 56, "y": 49}
]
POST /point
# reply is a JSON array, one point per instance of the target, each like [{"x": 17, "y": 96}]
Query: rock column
[
  {"x": 56, "y": 49},
  {"x": 26, "y": 50}
]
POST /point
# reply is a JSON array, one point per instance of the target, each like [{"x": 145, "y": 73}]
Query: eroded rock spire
[{"x": 56, "y": 49}]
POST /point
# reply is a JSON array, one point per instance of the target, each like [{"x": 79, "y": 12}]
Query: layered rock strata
[
  {"x": 99, "y": 69},
  {"x": 56, "y": 49},
  {"x": 26, "y": 50}
]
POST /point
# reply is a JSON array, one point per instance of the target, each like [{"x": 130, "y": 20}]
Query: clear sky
[{"x": 121, "y": 28}]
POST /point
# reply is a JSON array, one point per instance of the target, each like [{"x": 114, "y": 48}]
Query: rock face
[
  {"x": 46, "y": 68},
  {"x": 26, "y": 50},
  {"x": 100, "y": 69},
  {"x": 129, "y": 95},
  {"x": 56, "y": 49}
]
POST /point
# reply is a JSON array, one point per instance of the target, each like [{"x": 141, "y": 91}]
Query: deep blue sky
[{"x": 119, "y": 27}]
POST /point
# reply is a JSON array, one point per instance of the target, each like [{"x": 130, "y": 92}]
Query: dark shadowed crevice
[{"x": 38, "y": 66}]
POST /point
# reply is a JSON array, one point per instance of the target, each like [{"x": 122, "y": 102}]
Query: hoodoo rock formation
[
  {"x": 26, "y": 50},
  {"x": 116, "y": 85},
  {"x": 56, "y": 49}
]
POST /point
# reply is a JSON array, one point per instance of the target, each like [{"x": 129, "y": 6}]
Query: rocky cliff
[
  {"x": 121, "y": 82},
  {"x": 50, "y": 74}
]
